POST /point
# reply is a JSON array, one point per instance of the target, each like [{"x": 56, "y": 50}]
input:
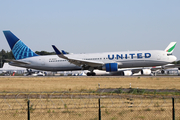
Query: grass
[
  {"x": 50, "y": 84},
  {"x": 148, "y": 109},
  {"x": 106, "y": 111},
  {"x": 79, "y": 111}
]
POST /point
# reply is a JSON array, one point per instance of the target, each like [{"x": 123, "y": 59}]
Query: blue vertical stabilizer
[{"x": 19, "y": 49}]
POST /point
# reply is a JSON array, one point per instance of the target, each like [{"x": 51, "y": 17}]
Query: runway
[{"x": 159, "y": 76}]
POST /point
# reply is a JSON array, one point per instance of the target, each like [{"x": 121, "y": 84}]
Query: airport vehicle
[
  {"x": 39, "y": 73},
  {"x": 107, "y": 61}
]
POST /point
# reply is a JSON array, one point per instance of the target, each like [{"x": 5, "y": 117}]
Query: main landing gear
[{"x": 91, "y": 74}]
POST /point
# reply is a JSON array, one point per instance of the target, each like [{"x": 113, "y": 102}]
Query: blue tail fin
[{"x": 19, "y": 49}]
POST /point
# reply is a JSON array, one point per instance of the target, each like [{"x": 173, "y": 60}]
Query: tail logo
[
  {"x": 170, "y": 49},
  {"x": 20, "y": 51}
]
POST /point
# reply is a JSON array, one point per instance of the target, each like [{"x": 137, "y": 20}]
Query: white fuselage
[{"x": 124, "y": 59}]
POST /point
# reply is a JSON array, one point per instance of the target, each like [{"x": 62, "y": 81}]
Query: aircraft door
[{"x": 158, "y": 57}]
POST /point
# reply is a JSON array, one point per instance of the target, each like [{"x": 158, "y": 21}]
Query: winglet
[
  {"x": 56, "y": 50},
  {"x": 63, "y": 52},
  {"x": 170, "y": 47},
  {"x": 59, "y": 53}
]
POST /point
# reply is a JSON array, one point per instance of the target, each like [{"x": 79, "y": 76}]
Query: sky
[{"x": 89, "y": 26}]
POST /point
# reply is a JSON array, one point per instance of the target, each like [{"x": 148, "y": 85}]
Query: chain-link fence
[{"x": 85, "y": 106}]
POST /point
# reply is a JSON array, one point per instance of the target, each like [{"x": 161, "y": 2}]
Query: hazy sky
[{"x": 87, "y": 26}]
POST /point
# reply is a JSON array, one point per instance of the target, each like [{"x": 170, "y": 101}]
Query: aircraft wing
[
  {"x": 78, "y": 62},
  {"x": 17, "y": 62},
  {"x": 171, "y": 66},
  {"x": 165, "y": 67}
]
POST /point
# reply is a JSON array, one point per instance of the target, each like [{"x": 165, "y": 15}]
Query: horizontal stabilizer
[{"x": 17, "y": 62}]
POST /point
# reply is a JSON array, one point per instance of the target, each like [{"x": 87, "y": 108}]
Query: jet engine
[
  {"x": 110, "y": 67},
  {"x": 127, "y": 73},
  {"x": 146, "y": 72},
  {"x": 124, "y": 73}
]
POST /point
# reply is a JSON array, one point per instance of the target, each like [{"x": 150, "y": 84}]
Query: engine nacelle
[
  {"x": 146, "y": 72},
  {"x": 124, "y": 73},
  {"x": 127, "y": 73},
  {"x": 110, "y": 67}
]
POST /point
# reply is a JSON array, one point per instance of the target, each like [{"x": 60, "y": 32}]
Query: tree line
[
  {"x": 8, "y": 55},
  {"x": 176, "y": 62}
]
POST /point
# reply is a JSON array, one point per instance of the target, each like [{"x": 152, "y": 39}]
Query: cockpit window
[{"x": 169, "y": 54}]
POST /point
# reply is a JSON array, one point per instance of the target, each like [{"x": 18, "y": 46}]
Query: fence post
[
  {"x": 28, "y": 102},
  {"x": 99, "y": 109},
  {"x": 173, "y": 109}
]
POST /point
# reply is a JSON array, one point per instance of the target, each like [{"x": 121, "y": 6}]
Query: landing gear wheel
[
  {"x": 162, "y": 71},
  {"x": 155, "y": 74},
  {"x": 88, "y": 74},
  {"x": 91, "y": 74}
]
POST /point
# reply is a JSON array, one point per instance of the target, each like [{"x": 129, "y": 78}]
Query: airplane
[
  {"x": 133, "y": 71},
  {"x": 8, "y": 69},
  {"x": 139, "y": 62},
  {"x": 107, "y": 61}
]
